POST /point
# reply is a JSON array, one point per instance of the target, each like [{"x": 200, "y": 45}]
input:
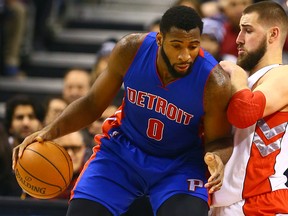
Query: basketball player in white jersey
[{"x": 254, "y": 181}]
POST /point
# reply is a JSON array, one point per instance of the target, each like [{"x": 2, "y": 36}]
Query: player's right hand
[
  {"x": 238, "y": 76},
  {"x": 18, "y": 150}
]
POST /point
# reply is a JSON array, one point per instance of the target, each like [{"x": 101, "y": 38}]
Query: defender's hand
[
  {"x": 238, "y": 77},
  {"x": 216, "y": 169}
]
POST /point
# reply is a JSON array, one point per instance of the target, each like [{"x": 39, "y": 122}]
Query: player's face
[
  {"x": 24, "y": 122},
  {"x": 179, "y": 50},
  {"x": 252, "y": 42}
]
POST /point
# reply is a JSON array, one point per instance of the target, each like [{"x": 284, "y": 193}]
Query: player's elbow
[{"x": 245, "y": 108}]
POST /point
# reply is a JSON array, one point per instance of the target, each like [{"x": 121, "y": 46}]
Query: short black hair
[
  {"x": 181, "y": 17},
  {"x": 18, "y": 100}
]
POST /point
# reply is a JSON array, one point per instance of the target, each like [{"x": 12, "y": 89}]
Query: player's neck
[
  {"x": 266, "y": 61},
  {"x": 164, "y": 74}
]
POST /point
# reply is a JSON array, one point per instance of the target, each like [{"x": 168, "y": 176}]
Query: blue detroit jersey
[
  {"x": 164, "y": 120},
  {"x": 152, "y": 145}
]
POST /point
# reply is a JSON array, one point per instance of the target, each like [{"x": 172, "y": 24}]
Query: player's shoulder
[
  {"x": 205, "y": 61},
  {"x": 131, "y": 41},
  {"x": 217, "y": 90},
  {"x": 282, "y": 69},
  {"x": 218, "y": 77},
  {"x": 125, "y": 51},
  {"x": 277, "y": 73},
  {"x": 208, "y": 57},
  {"x": 127, "y": 46}
]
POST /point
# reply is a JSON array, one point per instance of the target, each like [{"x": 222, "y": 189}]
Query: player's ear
[
  {"x": 273, "y": 34},
  {"x": 159, "y": 39}
]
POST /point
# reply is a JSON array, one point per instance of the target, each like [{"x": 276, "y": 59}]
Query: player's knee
[
  {"x": 183, "y": 204},
  {"x": 85, "y": 207}
]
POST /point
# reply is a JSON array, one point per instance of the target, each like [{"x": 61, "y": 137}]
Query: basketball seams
[
  {"x": 43, "y": 162},
  {"x": 47, "y": 159},
  {"x": 67, "y": 157}
]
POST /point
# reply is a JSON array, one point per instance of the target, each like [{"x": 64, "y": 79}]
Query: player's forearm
[{"x": 76, "y": 116}]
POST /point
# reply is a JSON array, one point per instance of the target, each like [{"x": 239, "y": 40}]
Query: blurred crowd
[
  {"x": 21, "y": 32},
  {"x": 28, "y": 25}
]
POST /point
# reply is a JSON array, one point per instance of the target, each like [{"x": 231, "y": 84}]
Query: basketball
[{"x": 44, "y": 170}]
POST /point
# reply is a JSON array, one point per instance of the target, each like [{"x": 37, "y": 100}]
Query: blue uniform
[{"x": 152, "y": 145}]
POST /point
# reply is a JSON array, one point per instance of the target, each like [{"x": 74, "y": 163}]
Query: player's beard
[
  {"x": 170, "y": 67},
  {"x": 249, "y": 60}
]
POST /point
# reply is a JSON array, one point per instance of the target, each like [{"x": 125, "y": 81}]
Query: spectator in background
[
  {"x": 42, "y": 30},
  {"x": 54, "y": 106},
  {"x": 154, "y": 25},
  {"x": 7, "y": 179},
  {"x": 96, "y": 127},
  {"x": 1, "y": 36},
  {"x": 15, "y": 20},
  {"x": 195, "y": 4},
  {"x": 232, "y": 11},
  {"x": 212, "y": 36},
  {"x": 210, "y": 9},
  {"x": 102, "y": 58},
  {"x": 23, "y": 117},
  {"x": 101, "y": 65},
  {"x": 79, "y": 153},
  {"x": 77, "y": 83}
]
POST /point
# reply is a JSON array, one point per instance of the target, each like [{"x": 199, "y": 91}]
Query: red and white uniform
[{"x": 254, "y": 180}]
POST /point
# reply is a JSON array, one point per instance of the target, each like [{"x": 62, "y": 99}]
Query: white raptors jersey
[{"x": 259, "y": 158}]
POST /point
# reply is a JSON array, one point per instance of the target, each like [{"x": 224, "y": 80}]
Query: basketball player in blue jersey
[{"x": 170, "y": 130}]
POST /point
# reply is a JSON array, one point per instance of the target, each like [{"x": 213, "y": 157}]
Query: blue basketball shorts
[{"x": 118, "y": 172}]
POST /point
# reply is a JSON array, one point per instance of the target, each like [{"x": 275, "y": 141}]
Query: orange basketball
[{"x": 44, "y": 170}]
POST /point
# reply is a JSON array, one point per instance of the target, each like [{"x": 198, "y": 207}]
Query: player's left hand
[{"x": 216, "y": 169}]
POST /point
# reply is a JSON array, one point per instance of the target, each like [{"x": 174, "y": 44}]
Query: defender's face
[
  {"x": 252, "y": 41},
  {"x": 179, "y": 50}
]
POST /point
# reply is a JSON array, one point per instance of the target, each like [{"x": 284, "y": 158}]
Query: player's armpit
[{"x": 246, "y": 107}]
